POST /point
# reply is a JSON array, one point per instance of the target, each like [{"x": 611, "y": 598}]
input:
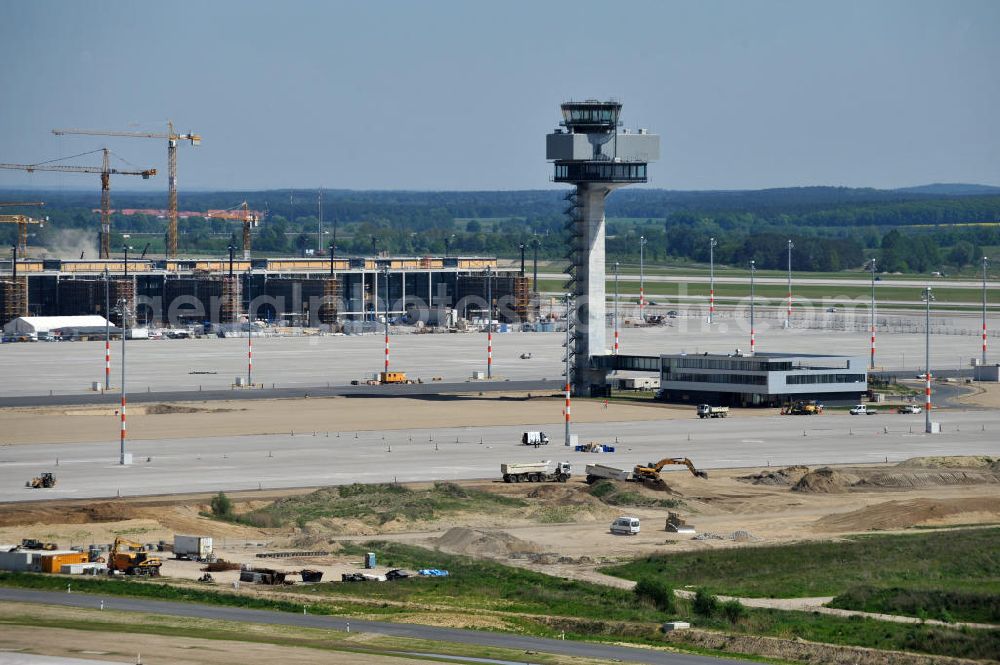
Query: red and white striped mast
[
  {"x": 753, "y": 271},
  {"x": 712, "y": 243}
]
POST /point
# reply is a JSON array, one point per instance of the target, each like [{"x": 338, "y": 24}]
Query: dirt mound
[
  {"x": 482, "y": 543},
  {"x": 905, "y": 514},
  {"x": 164, "y": 409},
  {"x": 956, "y": 462},
  {"x": 826, "y": 481},
  {"x": 105, "y": 511},
  {"x": 786, "y": 477}
]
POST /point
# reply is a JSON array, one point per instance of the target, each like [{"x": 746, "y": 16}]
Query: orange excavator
[
  {"x": 650, "y": 474},
  {"x": 132, "y": 559}
]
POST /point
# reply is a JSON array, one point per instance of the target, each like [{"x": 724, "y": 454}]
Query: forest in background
[{"x": 932, "y": 228}]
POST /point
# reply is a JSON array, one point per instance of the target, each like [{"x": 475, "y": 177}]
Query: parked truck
[
  {"x": 534, "y": 438},
  {"x": 193, "y": 547},
  {"x": 709, "y": 411},
  {"x": 536, "y": 472},
  {"x": 393, "y": 378},
  {"x": 597, "y": 472}
]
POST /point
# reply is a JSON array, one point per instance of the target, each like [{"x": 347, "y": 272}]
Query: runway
[{"x": 308, "y": 459}]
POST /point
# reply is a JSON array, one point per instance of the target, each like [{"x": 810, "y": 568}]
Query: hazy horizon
[{"x": 453, "y": 96}]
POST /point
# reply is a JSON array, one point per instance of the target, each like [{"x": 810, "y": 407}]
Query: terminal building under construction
[{"x": 326, "y": 292}]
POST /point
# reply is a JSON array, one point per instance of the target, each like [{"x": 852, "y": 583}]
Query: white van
[{"x": 628, "y": 526}]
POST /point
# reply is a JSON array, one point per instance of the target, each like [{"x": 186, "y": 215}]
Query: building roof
[{"x": 48, "y": 323}]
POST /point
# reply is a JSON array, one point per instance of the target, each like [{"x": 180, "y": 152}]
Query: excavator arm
[{"x": 654, "y": 468}]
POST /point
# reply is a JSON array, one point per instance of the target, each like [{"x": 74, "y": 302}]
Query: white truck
[
  {"x": 709, "y": 411},
  {"x": 536, "y": 472},
  {"x": 535, "y": 439},
  {"x": 193, "y": 547},
  {"x": 862, "y": 410},
  {"x": 597, "y": 472}
]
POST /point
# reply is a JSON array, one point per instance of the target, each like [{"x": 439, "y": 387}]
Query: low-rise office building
[{"x": 762, "y": 379}]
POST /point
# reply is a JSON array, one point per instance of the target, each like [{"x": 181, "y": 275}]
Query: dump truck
[
  {"x": 709, "y": 411},
  {"x": 597, "y": 472},
  {"x": 536, "y": 472},
  {"x": 45, "y": 480},
  {"x": 132, "y": 559}
]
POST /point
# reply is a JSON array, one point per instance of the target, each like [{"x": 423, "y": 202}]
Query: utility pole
[
  {"x": 642, "y": 278},
  {"x": 788, "y": 316},
  {"x": 249, "y": 337},
  {"x": 753, "y": 271},
  {"x": 927, "y": 298},
  {"x": 712, "y": 243},
  {"x": 985, "y": 262},
  {"x": 616, "y": 309},
  {"x": 319, "y": 226},
  {"x": 386, "y": 273},
  {"x": 489, "y": 322},
  {"x": 568, "y": 375},
  {"x": 522, "y": 259},
  {"x": 872, "y": 313}
]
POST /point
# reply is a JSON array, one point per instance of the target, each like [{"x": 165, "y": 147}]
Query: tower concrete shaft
[{"x": 590, "y": 153}]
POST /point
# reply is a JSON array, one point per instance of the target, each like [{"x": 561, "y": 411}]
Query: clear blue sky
[{"x": 460, "y": 95}]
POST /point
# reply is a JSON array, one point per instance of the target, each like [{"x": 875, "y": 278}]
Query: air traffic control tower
[{"x": 590, "y": 152}]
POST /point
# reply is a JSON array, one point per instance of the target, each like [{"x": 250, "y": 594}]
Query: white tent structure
[{"x": 35, "y": 325}]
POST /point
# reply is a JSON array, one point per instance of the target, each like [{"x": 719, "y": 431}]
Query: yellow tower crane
[
  {"x": 106, "y": 172},
  {"x": 172, "y": 138},
  {"x": 22, "y": 222},
  {"x": 242, "y": 212}
]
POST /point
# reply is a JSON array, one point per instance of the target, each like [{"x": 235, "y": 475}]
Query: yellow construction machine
[
  {"x": 45, "y": 480},
  {"x": 132, "y": 559},
  {"x": 650, "y": 474}
]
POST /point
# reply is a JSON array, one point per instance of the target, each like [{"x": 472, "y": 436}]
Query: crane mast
[
  {"x": 172, "y": 138},
  {"x": 106, "y": 172}
]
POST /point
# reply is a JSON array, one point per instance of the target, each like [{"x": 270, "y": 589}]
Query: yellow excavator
[
  {"x": 132, "y": 559},
  {"x": 650, "y": 474}
]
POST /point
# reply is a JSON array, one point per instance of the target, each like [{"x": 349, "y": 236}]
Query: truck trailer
[
  {"x": 192, "y": 547},
  {"x": 597, "y": 472},
  {"x": 536, "y": 472}
]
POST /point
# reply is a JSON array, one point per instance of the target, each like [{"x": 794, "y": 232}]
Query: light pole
[
  {"x": 568, "y": 347},
  {"x": 123, "y": 310},
  {"x": 107, "y": 329},
  {"x": 319, "y": 225},
  {"x": 489, "y": 323},
  {"x": 534, "y": 276},
  {"x": 788, "y": 316},
  {"x": 871, "y": 364},
  {"x": 712, "y": 243},
  {"x": 522, "y": 246},
  {"x": 616, "y": 308},
  {"x": 927, "y": 298},
  {"x": 642, "y": 278},
  {"x": 985, "y": 262},
  {"x": 753, "y": 271},
  {"x": 249, "y": 336}
]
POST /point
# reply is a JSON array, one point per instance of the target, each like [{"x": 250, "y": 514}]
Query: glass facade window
[
  {"x": 741, "y": 379},
  {"x": 601, "y": 172},
  {"x": 739, "y": 364},
  {"x": 800, "y": 379}
]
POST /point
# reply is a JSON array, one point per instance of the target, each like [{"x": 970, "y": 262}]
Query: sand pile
[
  {"x": 482, "y": 543},
  {"x": 905, "y": 514},
  {"x": 50, "y": 513},
  {"x": 957, "y": 462},
  {"x": 786, "y": 477},
  {"x": 826, "y": 481}
]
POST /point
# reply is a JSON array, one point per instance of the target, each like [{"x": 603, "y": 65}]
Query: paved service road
[
  {"x": 307, "y": 459},
  {"x": 412, "y": 631}
]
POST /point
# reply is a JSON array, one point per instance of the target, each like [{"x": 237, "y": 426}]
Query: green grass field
[{"x": 922, "y": 561}]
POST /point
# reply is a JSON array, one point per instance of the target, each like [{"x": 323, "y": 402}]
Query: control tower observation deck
[{"x": 588, "y": 150}]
